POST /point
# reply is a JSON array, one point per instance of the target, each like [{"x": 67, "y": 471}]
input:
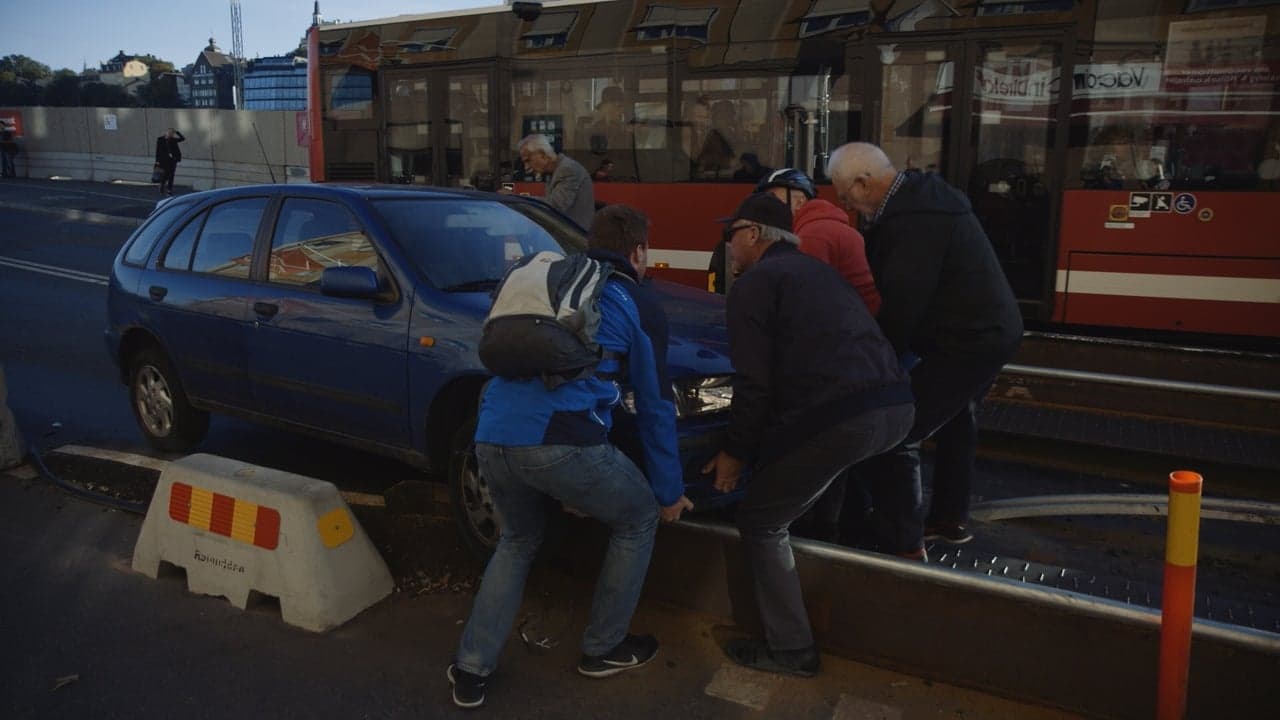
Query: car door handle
[
  {"x": 157, "y": 293},
  {"x": 267, "y": 310}
]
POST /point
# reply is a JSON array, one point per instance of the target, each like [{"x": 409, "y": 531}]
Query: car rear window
[
  {"x": 467, "y": 245},
  {"x": 145, "y": 239}
]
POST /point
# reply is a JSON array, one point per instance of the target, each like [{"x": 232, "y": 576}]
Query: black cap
[{"x": 763, "y": 208}]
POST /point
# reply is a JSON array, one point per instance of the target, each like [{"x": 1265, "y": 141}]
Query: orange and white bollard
[{"x": 1179, "y": 602}]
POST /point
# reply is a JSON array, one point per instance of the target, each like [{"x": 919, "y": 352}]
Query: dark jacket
[
  {"x": 167, "y": 151},
  {"x": 825, "y": 233},
  {"x": 806, "y": 355},
  {"x": 941, "y": 286}
]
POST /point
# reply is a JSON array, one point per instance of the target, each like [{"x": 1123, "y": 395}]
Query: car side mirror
[{"x": 350, "y": 282}]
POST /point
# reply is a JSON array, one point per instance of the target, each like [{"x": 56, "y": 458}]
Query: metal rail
[
  {"x": 1251, "y": 511},
  {"x": 1142, "y": 382},
  {"x": 1066, "y": 601}
]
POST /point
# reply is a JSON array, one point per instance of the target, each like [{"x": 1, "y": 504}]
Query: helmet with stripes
[{"x": 788, "y": 178}]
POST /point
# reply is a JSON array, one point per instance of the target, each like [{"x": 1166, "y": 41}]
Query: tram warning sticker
[
  {"x": 1161, "y": 202},
  {"x": 1184, "y": 203},
  {"x": 1139, "y": 205}
]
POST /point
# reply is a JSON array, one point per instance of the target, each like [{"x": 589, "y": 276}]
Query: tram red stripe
[{"x": 1209, "y": 316}]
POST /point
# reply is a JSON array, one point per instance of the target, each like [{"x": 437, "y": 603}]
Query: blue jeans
[{"x": 597, "y": 480}]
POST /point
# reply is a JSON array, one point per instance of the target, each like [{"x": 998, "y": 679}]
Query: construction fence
[{"x": 222, "y": 148}]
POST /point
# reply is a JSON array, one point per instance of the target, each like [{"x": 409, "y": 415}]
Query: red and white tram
[{"x": 1123, "y": 155}]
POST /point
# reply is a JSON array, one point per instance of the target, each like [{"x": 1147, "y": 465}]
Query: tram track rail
[{"x": 1195, "y": 405}]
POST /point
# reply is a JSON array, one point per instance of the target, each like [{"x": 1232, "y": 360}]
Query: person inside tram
[
  {"x": 610, "y": 129},
  {"x": 750, "y": 169}
]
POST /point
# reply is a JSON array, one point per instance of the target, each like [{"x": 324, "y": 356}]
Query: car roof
[{"x": 367, "y": 191}]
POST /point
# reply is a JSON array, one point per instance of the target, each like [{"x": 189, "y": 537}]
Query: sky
[{"x": 73, "y": 33}]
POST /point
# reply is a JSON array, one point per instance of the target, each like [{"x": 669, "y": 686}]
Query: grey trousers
[{"x": 782, "y": 491}]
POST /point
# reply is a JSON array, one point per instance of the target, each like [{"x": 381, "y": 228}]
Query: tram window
[
  {"x": 348, "y": 94},
  {"x": 738, "y": 128},
  {"x": 468, "y": 155},
  {"x": 618, "y": 115},
  {"x": 1190, "y": 101}
]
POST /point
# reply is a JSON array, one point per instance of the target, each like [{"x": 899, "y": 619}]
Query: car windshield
[{"x": 467, "y": 245}]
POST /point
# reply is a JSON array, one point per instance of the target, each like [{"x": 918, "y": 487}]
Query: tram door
[
  {"x": 436, "y": 128},
  {"x": 985, "y": 114}
]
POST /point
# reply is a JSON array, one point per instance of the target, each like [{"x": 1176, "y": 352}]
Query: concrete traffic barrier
[
  {"x": 236, "y": 528},
  {"x": 12, "y": 451}
]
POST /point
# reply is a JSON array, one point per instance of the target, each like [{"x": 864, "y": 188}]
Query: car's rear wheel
[
  {"x": 160, "y": 405},
  {"x": 469, "y": 497}
]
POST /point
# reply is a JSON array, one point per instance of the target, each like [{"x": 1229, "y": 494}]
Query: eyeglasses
[{"x": 731, "y": 230}]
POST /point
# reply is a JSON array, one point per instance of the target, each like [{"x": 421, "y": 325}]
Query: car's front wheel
[
  {"x": 469, "y": 497},
  {"x": 160, "y": 406}
]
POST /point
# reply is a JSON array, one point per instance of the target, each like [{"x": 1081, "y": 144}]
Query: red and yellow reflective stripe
[{"x": 224, "y": 515}]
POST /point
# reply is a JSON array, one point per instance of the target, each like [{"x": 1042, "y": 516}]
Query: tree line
[{"x": 24, "y": 81}]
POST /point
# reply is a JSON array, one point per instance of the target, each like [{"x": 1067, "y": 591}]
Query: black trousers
[
  {"x": 167, "y": 180},
  {"x": 782, "y": 491},
  {"x": 948, "y": 389}
]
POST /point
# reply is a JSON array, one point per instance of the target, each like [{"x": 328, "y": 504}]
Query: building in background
[
  {"x": 276, "y": 83},
  {"x": 124, "y": 70},
  {"x": 212, "y": 79}
]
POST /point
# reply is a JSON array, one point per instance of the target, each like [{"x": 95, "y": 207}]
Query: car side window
[
  {"x": 225, "y": 246},
  {"x": 178, "y": 255},
  {"x": 146, "y": 238},
  {"x": 312, "y": 235}
]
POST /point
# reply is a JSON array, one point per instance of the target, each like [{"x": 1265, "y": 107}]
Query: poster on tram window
[{"x": 1217, "y": 53}]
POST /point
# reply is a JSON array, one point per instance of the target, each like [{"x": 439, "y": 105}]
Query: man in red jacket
[{"x": 824, "y": 231}]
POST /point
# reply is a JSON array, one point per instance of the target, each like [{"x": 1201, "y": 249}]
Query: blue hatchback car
[{"x": 354, "y": 313}]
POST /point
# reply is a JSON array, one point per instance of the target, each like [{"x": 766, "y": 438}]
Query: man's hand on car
[
  {"x": 727, "y": 469},
  {"x": 671, "y": 513}
]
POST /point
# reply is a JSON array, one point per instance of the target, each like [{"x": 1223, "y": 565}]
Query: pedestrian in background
[
  {"x": 569, "y": 189},
  {"x": 816, "y": 388},
  {"x": 168, "y": 155},
  {"x": 8, "y": 151},
  {"x": 945, "y": 300},
  {"x": 533, "y": 442}
]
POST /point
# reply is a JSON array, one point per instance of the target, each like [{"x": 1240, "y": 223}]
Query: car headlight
[
  {"x": 695, "y": 396},
  {"x": 699, "y": 396}
]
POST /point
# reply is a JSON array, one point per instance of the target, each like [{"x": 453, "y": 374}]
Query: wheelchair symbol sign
[{"x": 1184, "y": 203}]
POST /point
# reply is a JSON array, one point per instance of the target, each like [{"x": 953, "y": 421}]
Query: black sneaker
[
  {"x": 631, "y": 653},
  {"x": 468, "y": 688},
  {"x": 948, "y": 532},
  {"x": 755, "y": 654}
]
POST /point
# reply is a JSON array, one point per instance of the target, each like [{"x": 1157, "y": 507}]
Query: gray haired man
[{"x": 569, "y": 189}]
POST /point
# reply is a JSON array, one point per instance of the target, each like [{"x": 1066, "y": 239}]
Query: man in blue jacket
[
  {"x": 533, "y": 442},
  {"x": 816, "y": 389}
]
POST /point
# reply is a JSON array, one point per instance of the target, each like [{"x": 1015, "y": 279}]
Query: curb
[{"x": 73, "y": 214}]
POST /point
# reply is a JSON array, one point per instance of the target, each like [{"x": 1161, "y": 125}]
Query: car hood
[{"x": 699, "y": 342}]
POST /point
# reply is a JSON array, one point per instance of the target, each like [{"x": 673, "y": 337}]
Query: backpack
[{"x": 544, "y": 319}]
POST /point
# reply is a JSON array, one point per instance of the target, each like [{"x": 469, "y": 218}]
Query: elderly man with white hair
[
  {"x": 944, "y": 300},
  {"x": 569, "y": 189}
]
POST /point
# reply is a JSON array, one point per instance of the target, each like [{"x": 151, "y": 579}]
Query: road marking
[
  {"x": 853, "y": 708},
  {"x": 150, "y": 463},
  {"x": 53, "y": 270},
  {"x": 749, "y": 688},
  {"x": 46, "y": 188}
]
